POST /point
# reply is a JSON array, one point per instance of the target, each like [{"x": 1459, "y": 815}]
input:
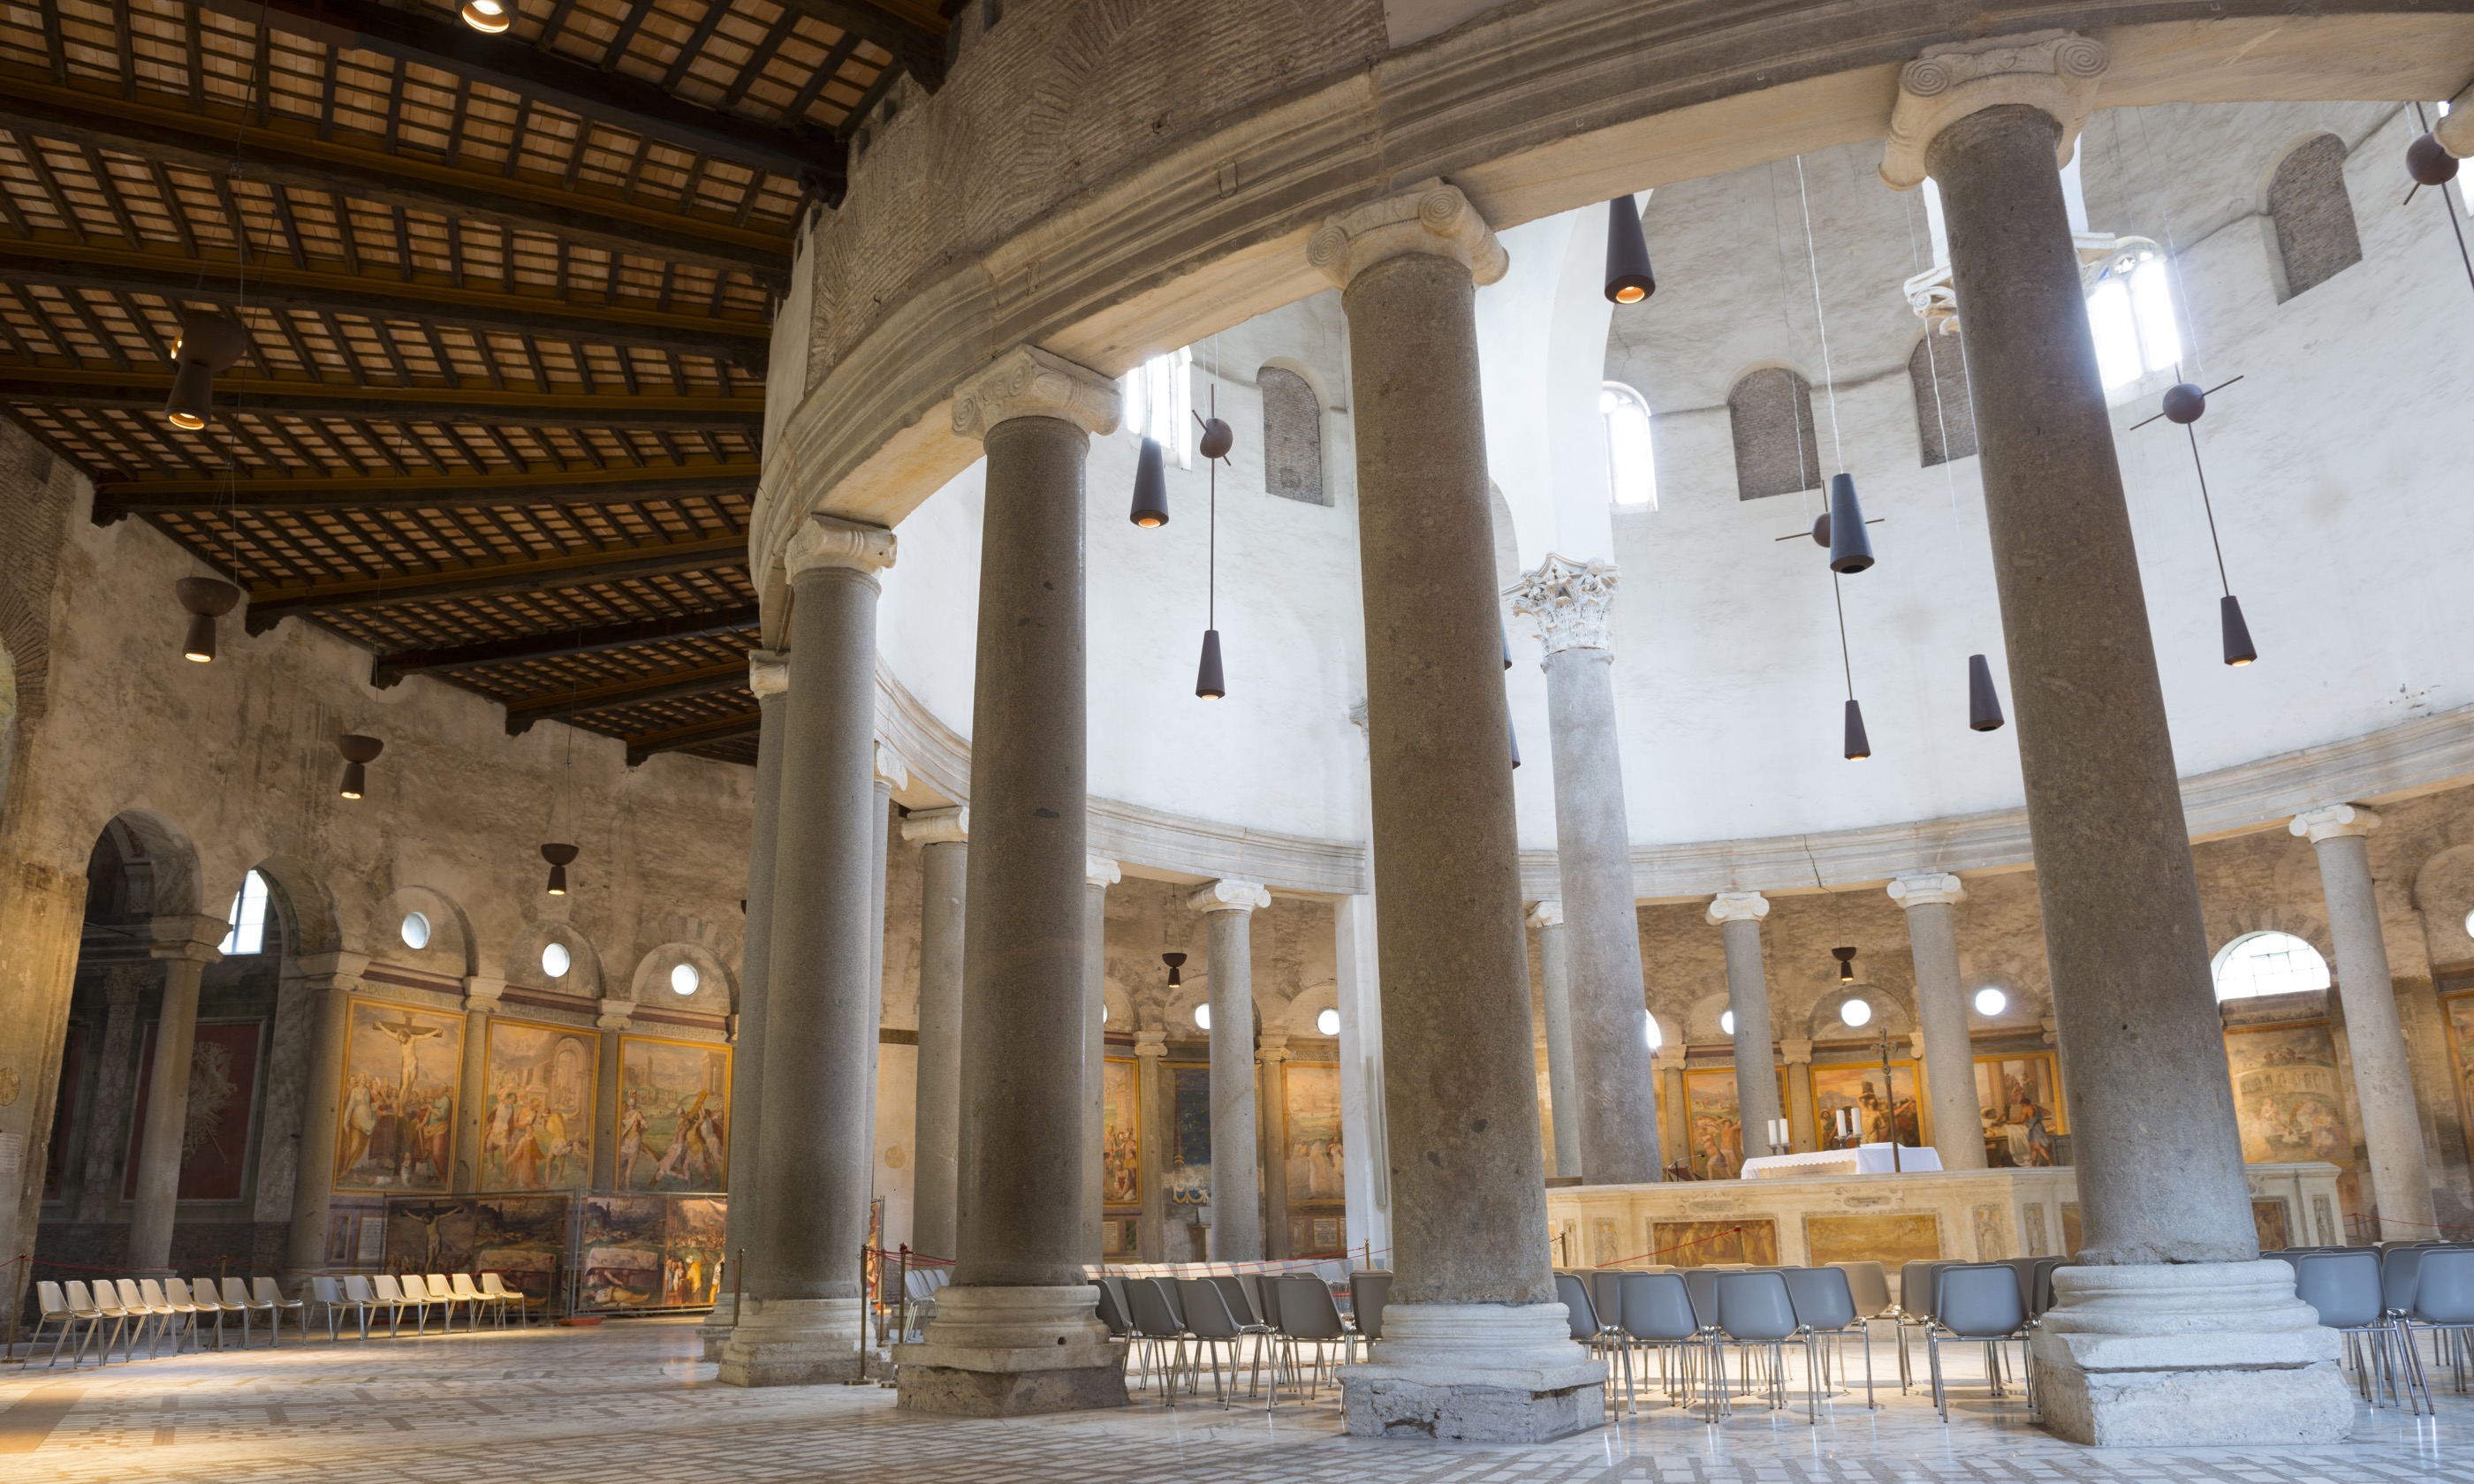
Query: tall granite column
[
  {"x": 1476, "y": 1347},
  {"x": 1098, "y": 875},
  {"x": 1611, "y": 1056},
  {"x": 1562, "y": 1088},
  {"x": 2169, "y": 1328},
  {"x": 1016, "y": 1331},
  {"x": 2374, "y": 1034},
  {"x": 472, "y": 1082},
  {"x": 1365, "y": 1161},
  {"x": 803, "y": 1322},
  {"x": 106, "y": 1137},
  {"x": 1738, "y": 915},
  {"x": 334, "y": 978},
  {"x": 768, "y": 675},
  {"x": 891, "y": 773},
  {"x": 1158, "y": 1104},
  {"x": 1228, "y": 907},
  {"x": 186, "y": 944},
  {"x": 1802, "y": 1130},
  {"x": 936, "y": 1117},
  {"x": 1941, "y": 1017}
]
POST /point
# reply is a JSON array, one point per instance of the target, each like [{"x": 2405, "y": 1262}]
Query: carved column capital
[
  {"x": 1028, "y": 382},
  {"x": 481, "y": 994},
  {"x": 1229, "y": 893},
  {"x": 890, "y": 767},
  {"x": 1569, "y": 601},
  {"x": 1795, "y": 1053},
  {"x": 1151, "y": 1046},
  {"x": 1274, "y": 1047},
  {"x": 1429, "y": 217},
  {"x": 1938, "y": 887},
  {"x": 615, "y": 1013},
  {"x": 939, "y": 826},
  {"x": 1916, "y": 1044},
  {"x": 186, "y": 936},
  {"x": 1668, "y": 1059},
  {"x": 2334, "y": 821},
  {"x": 768, "y": 673},
  {"x": 1546, "y": 914},
  {"x": 2057, "y": 71},
  {"x": 1738, "y": 907},
  {"x": 830, "y": 542},
  {"x": 1101, "y": 871}
]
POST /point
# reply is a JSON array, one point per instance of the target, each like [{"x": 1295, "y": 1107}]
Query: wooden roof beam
[
  {"x": 389, "y": 669},
  {"x": 314, "y": 493},
  {"x": 671, "y": 686},
  {"x": 140, "y": 387},
  {"x": 721, "y": 728},
  {"x": 915, "y": 35},
  {"x": 269, "y": 605}
]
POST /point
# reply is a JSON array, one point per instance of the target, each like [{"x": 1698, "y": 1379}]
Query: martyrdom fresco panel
[
  {"x": 1312, "y": 1090},
  {"x": 1886, "y": 1238},
  {"x": 1858, "y": 1085},
  {"x": 1120, "y": 1137},
  {"x": 395, "y": 1115},
  {"x": 1697, "y": 1244},
  {"x": 1714, "y": 1123},
  {"x": 2287, "y": 1099},
  {"x": 673, "y": 1114},
  {"x": 223, "y": 1105},
  {"x": 537, "y": 1125},
  {"x": 2020, "y": 1099}
]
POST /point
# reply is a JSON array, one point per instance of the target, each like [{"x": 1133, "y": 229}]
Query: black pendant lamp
[
  {"x": 1209, "y": 681},
  {"x": 1845, "y": 963},
  {"x": 208, "y": 342},
  {"x": 1629, "y": 279},
  {"x": 1218, "y": 438},
  {"x": 1514, "y": 734},
  {"x": 1983, "y": 704},
  {"x": 2183, "y": 405},
  {"x": 1175, "y": 962},
  {"x": 559, "y": 856},
  {"x": 1858, "y": 745},
  {"x": 2238, "y": 649},
  {"x": 2428, "y": 161},
  {"x": 1851, "y": 548},
  {"x": 1151, "y": 487},
  {"x": 359, "y": 752},
  {"x": 207, "y": 599}
]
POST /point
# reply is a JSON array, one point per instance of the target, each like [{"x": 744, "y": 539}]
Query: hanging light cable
[
  {"x": 2428, "y": 161},
  {"x": 1218, "y": 438},
  {"x": 1851, "y": 550}
]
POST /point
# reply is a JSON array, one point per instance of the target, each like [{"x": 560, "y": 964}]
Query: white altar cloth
[{"x": 1865, "y": 1159}]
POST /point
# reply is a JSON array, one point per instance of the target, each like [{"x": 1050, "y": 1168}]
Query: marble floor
[{"x": 630, "y": 1404}]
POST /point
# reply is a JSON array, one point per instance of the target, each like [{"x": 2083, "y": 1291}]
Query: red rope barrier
[{"x": 1678, "y": 1247}]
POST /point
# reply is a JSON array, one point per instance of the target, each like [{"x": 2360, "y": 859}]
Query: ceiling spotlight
[
  {"x": 207, "y": 599},
  {"x": 1983, "y": 704},
  {"x": 358, "y": 753},
  {"x": 1858, "y": 745},
  {"x": 559, "y": 858},
  {"x": 1629, "y": 279},
  {"x": 1845, "y": 963},
  {"x": 1851, "y": 549},
  {"x": 489, "y": 17},
  {"x": 1151, "y": 487},
  {"x": 1208, "y": 682},
  {"x": 2238, "y": 649},
  {"x": 208, "y": 342}
]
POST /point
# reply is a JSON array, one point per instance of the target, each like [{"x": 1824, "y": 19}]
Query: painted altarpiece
[
  {"x": 394, "y": 1113},
  {"x": 1857, "y": 1085},
  {"x": 2019, "y": 1097},
  {"x": 1713, "y": 1121}
]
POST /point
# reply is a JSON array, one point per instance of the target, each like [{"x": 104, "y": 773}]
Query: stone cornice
[
  {"x": 1570, "y": 602},
  {"x": 1430, "y": 217},
  {"x": 2057, "y": 71},
  {"x": 1028, "y": 382}
]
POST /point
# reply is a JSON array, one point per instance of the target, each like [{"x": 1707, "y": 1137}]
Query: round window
[
  {"x": 1650, "y": 1033},
  {"x": 685, "y": 979},
  {"x": 1856, "y": 1012},
  {"x": 555, "y": 960},
  {"x": 1991, "y": 1002},
  {"x": 416, "y": 930},
  {"x": 1726, "y": 1023},
  {"x": 1328, "y": 1022},
  {"x": 1202, "y": 1017}
]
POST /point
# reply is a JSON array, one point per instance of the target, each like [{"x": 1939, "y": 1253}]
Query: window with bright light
[
  {"x": 1202, "y": 1017},
  {"x": 1328, "y": 1022},
  {"x": 416, "y": 930},
  {"x": 1855, "y": 1012},
  {"x": 1726, "y": 1023},
  {"x": 555, "y": 961},
  {"x": 684, "y": 979},
  {"x": 1159, "y": 403},
  {"x": 1991, "y": 1002},
  {"x": 2131, "y": 314},
  {"x": 2268, "y": 962},
  {"x": 247, "y": 919},
  {"x": 1631, "y": 472},
  {"x": 1652, "y": 1034}
]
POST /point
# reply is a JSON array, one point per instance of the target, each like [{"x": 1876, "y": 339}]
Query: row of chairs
[
  {"x": 1175, "y": 1326},
  {"x": 360, "y": 1298},
  {"x": 132, "y": 1307},
  {"x": 2381, "y": 1300}
]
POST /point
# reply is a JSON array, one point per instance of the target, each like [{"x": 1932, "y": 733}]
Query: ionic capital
[
  {"x": 890, "y": 767},
  {"x": 1935, "y": 889},
  {"x": 1570, "y": 601},
  {"x": 939, "y": 826},
  {"x": 1795, "y": 1053},
  {"x": 1101, "y": 871},
  {"x": 1546, "y": 914},
  {"x": 1028, "y": 382},
  {"x": 1738, "y": 907},
  {"x": 1916, "y": 1044},
  {"x": 768, "y": 673},
  {"x": 1229, "y": 893},
  {"x": 830, "y": 542},
  {"x": 2057, "y": 71},
  {"x": 2334, "y": 821},
  {"x": 1430, "y": 217}
]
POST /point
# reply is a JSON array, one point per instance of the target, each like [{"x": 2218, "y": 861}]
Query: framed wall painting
[
  {"x": 2288, "y": 1098},
  {"x": 2457, "y": 1007},
  {"x": 223, "y": 1108},
  {"x": 1714, "y": 1123},
  {"x": 1857, "y": 1086},
  {"x": 2019, "y": 1096},
  {"x": 1120, "y": 1131},
  {"x": 673, "y": 1114},
  {"x": 537, "y": 1122},
  {"x": 395, "y": 1113},
  {"x": 1311, "y": 1090}
]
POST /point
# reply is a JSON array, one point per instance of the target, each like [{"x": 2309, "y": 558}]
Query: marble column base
[
  {"x": 2194, "y": 1353},
  {"x": 1474, "y": 1372},
  {"x": 793, "y": 1341},
  {"x": 715, "y": 1330},
  {"x": 1011, "y": 1353}
]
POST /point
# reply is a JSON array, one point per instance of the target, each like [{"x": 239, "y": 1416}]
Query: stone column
[
  {"x": 334, "y": 979},
  {"x": 2169, "y": 1328},
  {"x": 1669, "y": 1064},
  {"x": 2374, "y": 1034},
  {"x": 1948, "y": 1056},
  {"x": 1228, "y": 907},
  {"x": 1270, "y": 1102},
  {"x": 891, "y": 773},
  {"x": 802, "y": 1275},
  {"x": 1611, "y": 1055},
  {"x": 115, "y": 1065},
  {"x": 1365, "y": 1165},
  {"x": 1476, "y": 1346},
  {"x": 768, "y": 675},
  {"x": 944, "y": 858},
  {"x": 1098, "y": 875},
  {"x": 614, "y": 1022},
  {"x": 1738, "y": 915},
  {"x": 1562, "y": 1090},
  {"x": 41, "y": 912},
  {"x": 473, "y": 1083},
  {"x": 1797, "y": 1057},
  {"x": 1158, "y": 1109},
  {"x": 186, "y": 945},
  {"x": 1016, "y": 1331}
]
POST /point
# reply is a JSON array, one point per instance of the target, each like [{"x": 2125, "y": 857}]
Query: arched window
[
  {"x": 1632, "y": 473},
  {"x": 1778, "y": 449},
  {"x": 1291, "y": 435},
  {"x": 2270, "y": 963},
  {"x": 247, "y": 919},
  {"x": 1159, "y": 403},
  {"x": 1945, "y": 414},
  {"x": 2131, "y": 317},
  {"x": 2315, "y": 239}
]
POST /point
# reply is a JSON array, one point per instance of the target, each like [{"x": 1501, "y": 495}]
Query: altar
[
  {"x": 1862, "y": 1159},
  {"x": 1789, "y": 1216}
]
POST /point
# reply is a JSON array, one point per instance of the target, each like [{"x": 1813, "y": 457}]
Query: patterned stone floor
[{"x": 629, "y": 1403}]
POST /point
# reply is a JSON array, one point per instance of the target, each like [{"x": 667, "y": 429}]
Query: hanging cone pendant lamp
[
  {"x": 1629, "y": 279},
  {"x": 359, "y": 752},
  {"x": 2183, "y": 405},
  {"x": 208, "y": 342},
  {"x": 1984, "y": 705},
  {"x": 1514, "y": 734},
  {"x": 1858, "y": 745},
  {"x": 1208, "y": 682},
  {"x": 207, "y": 599},
  {"x": 1151, "y": 487},
  {"x": 560, "y": 857},
  {"x": 2238, "y": 649},
  {"x": 1851, "y": 549}
]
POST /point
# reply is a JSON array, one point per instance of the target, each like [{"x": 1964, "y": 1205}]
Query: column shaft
[
  {"x": 944, "y": 866},
  {"x": 1094, "y": 1048},
  {"x": 108, "y": 1124},
  {"x": 1158, "y": 1107},
  {"x": 1748, "y": 995},
  {"x": 1941, "y": 1018},
  {"x": 1365, "y": 1167},
  {"x": 1236, "y": 1185},
  {"x": 313, "y": 1187},
  {"x": 1271, "y": 1106},
  {"x": 769, "y": 677},
  {"x": 2375, "y": 1040},
  {"x": 472, "y": 1093},
  {"x": 605, "y": 1095},
  {"x": 882, "y": 822},
  {"x": 167, "y": 1117},
  {"x": 1563, "y": 1087}
]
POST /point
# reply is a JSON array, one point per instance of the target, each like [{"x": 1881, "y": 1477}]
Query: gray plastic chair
[
  {"x": 1308, "y": 1313},
  {"x": 1211, "y": 1323},
  {"x": 1869, "y": 1285},
  {"x": 2444, "y": 1302},
  {"x": 1369, "y": 1290},
  {"x": 1581, "y": 1311},
  {"x": 1157, "y": 1331},
  {"x": 2346, "y": 1290},
  {"x": 1605, "y": 1296},
  {"x": 1110, "y": 1313},
  {"x": 1756, "y": 1310},
  {"x": 1974, "y": 1300},
  {"x": 1824, "y": 1306},
  {"x": 1658, "y": 1311},
  {"x": 2399, "y": 1267}
]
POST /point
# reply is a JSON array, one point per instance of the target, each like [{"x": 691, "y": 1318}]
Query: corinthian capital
[
  {"x": 830, "y": 542},
  {"x": 1569, "y": 600},
  {"x": 1429, "y": 217},
  {"x": 1028, "y": 382},
  {"x": 2057, "y": 71}
]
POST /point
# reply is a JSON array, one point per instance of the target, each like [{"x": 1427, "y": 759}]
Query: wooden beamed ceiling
[{"x": 507, "y": 301}]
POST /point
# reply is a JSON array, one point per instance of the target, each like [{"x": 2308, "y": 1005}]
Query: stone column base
[
  {"x": 793, "y": 1341},
  {"x": 2191, "y": 1354},
  {"x": 1013, "y": 1352},
  {"x": 715, "y": 1330},
  {"x": 1474, "y": 1372}
]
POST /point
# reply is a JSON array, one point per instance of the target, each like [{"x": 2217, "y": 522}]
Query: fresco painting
[
  {"x": 537, "y": 1123},
  {"x": 1121, "y": 1139},
  {"x": 673, "y": 1114},
  {"x": 1714, "y": 1124},
  {"x": 395, "y": 1113},
  {"x": 1857, "y": 1085},
  {"x": 223, "y": 1107},
  {"x": 2287, "y": 1099},
  {"x": 2020, "y": 1101}
]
